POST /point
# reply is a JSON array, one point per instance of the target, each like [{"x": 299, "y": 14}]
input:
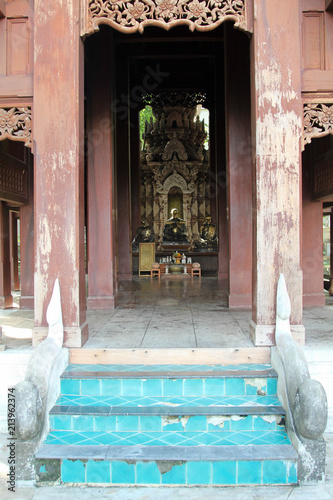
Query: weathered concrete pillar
[
  {"x": 14, "y": 273},
  {"x": 276, "y": 115},
  {"x": 6, "y": 299},
  {"x": 59, "y": 170},
  {"x": 101, "y": 179},
  {"x": 238, "y": 138}
]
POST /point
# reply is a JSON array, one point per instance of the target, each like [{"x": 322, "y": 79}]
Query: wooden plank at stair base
[{"x": 227, "y": 356}]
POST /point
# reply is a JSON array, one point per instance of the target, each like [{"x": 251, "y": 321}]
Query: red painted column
[
  {"x": 277, "y": 122},
  {"x": 238, "y": 137},
  {"x": 6, "y": 299},
  {"x": 100, "y": 183},
  {"x": 27, "y": 247},
  {"x": 312, "y": 237},
  {"x": 59, "y": 170},
  {"x": 14, "y": 274},
  {"x": 124, "y": 242}
]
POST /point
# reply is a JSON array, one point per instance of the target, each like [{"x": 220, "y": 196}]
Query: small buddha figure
[
  {"x": 175, "y": 229},
  {"x": 208, "y": 237},
  {"x": 144, "y": 234}
]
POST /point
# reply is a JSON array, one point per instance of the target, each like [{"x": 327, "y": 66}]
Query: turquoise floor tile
[
  {"x": 197, "y": 423},
  {"x": 291, "y": 472},
  {"x": 274, "y": 472},
  {"x": 173, "y": 424},
  {"x": 69, "y": 386},
  {"x": 73, "y": 471},
  {"x": 105, "y": 423},
  {"x": 110, "y": 387},
  {"x": 271, "y": 386},
  {"x": 224, "y": 424},
  {"x": 90, "y": 387},
  {"x": 173, "y": 387},
  {"x": 224, "y": 472},
  {"x": 152, "y": 387},
  {"x": 128, "y": 423},
  {"x": 148, "y": 423},
  {"x": 242, "y": 423},
  {"x": 98, "y": 471},
  {"x": 83, "y": 422},
  {"x": 199, "y": 472},
  {"x": 193, "y": 387},
  {"x": 249, "y": 472},
  {"x": 147, "y": 473},
  {"x": 131, "y": 387},
  {"x": 177, "y": 474},
  {"x": 123, "y": 473},
  {"x": 61, "y": 422},
  {"x": 234, "y": 386},
  {"x": 214, "y": 387},
  {"x": 253, "y": 390},
  {"x": 260, "y": 424}
]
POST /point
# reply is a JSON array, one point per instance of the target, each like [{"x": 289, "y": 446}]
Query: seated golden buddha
[
  {"x": 175, "y": 230},
  {"x": 208, "y": 237}
]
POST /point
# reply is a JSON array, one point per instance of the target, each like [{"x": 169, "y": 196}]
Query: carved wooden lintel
[
  {"x": 130, "y": 16},
  {"x": 317, "y": 120},
  {"x": 15, "y": 124}
]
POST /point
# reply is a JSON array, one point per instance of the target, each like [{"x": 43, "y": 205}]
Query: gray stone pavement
[{"x": 323, "y": 491}]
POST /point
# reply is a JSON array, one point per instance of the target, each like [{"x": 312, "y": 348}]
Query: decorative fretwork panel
[
  {"x": 318, "y": 120},
  {"x": 15, "y": 124},
  {"x": 129, "y": 16},
  {"x": 323, "y": 178},
  {"x": 13, "y": 182}
]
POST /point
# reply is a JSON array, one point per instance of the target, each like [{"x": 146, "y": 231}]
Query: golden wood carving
[
  {"x": 318, "y": 120},
  {"x": 129, "y": 16},
  {"x": 146, "y": 257},
  {"x": 15, "y": 124}
]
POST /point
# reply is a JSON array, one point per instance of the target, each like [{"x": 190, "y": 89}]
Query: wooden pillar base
[
  {"x": 313, "y": 299},
  {"x": 73, "y": 336},
  {"x": 6, "y": 301},
  {"x": 240, "y": 301},
  {"x": 264, "y": 335},
  {"x": 26, "y": 302},
  {"x": 101, "y": 303}
]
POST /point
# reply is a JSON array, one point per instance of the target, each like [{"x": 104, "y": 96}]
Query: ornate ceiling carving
[
  {"x": 129, "y": 16},
  {"x": 15, "y": 124},
  {"x": 317, "y": 120}
]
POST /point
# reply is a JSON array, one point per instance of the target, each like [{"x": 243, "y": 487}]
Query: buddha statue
[
  {"x": 208, "y": 237},
  {"x": 144, "y": 234},
  {"x": 175, "y": 230}
]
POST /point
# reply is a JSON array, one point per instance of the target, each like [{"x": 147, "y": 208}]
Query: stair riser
[
  {"x": 166, "y": 423},
  {"x": 169, "y": 387},
  {"x": 180, "y": 473}
]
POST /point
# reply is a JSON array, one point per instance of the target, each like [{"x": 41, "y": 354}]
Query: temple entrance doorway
[{"x": 135, "y": 178}]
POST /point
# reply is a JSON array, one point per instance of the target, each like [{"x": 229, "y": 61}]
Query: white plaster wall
[{"x": 13, "y": 365}]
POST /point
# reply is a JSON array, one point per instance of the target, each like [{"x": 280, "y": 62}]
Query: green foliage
[{"x": 145, "y": 114}]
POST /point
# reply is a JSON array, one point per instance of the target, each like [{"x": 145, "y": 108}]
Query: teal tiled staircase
[{"x": 168, "y": 425}]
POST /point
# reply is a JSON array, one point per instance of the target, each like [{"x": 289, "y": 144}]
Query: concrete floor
[{"x": 169, "y": 314}]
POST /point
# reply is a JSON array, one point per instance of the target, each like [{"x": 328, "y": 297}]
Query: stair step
[
  {"x": 168, "y": 437},
  {"x": 168, "y": 380},
  {"x": 177, "y": 402},
  {"x": 189, "y": 420},
  {"x": 173, "y": 465},
  {"x": 168, "y": 424}
]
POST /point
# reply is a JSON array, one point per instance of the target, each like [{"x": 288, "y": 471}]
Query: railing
[
  {"x": 303, "y": 399},
  {"x": 37, "y": 393}
]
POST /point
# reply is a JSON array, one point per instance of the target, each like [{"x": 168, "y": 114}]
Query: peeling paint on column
[{"x": 278, "y": 114}]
